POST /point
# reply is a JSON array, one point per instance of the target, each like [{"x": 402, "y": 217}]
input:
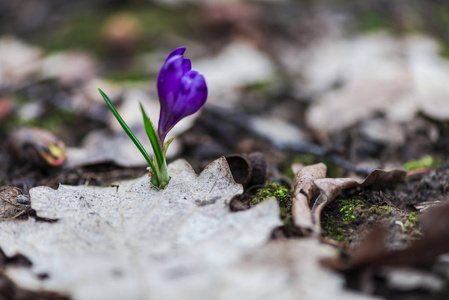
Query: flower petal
[
  {"x": 181, "y": 91},
  {"x": 186, "y": 65},
  {"x": 192, "y": 96},
  {"x": 177, "y": 51}
]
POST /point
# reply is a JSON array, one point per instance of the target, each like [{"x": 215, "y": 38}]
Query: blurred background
[{"x": 365, "y": 81}]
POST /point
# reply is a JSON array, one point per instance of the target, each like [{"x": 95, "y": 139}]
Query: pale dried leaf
[
  {"x": 399, "y": 77},
  {"x": 78, "y": 66},
  {"x": 136, "y": 242},
  {"x": 18, "y": 60},
  {"x": 286, "y": 270}
]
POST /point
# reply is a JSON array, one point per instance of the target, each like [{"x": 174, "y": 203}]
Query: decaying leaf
[
  {"x": 304, "y": 190},
  {"x": 133, "y": 241},
  {"x": 123, "y": 242},
  {"x": 310, "y": 184}
]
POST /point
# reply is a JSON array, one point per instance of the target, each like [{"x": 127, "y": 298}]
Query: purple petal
[
  {"x": 169, "y": 80},
  {"x": 181, "y": 91},
  {"x": 194, "y": 93},
  {"x": 192, "y": 96},
  {"x": 186, "y": 65},
  {"x": 177, "y": 51}
]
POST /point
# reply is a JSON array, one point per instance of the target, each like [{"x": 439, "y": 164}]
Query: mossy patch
[
  {"x": 348, "y": 220},
  {"x": 341, "y": 217},
  {"x": 283, "y": 196}
]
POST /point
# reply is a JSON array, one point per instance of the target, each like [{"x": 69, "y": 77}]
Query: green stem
[
  {"x": 133, "y": 138},
  {"x": 158, "y": 152}
]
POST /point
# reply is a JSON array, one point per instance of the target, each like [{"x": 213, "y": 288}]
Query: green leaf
[
  {"x": 166, "y": 144},
  {"x": 152, "y": 136},
  {"x": 131, "y": 135}
]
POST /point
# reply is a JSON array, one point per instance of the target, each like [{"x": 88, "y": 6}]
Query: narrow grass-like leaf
[
  {"x": 130, "y": 134},
  {"x": 152, "y": 136}
]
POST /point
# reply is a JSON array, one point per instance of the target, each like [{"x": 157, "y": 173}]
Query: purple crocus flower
[{"x": 182, "y": 91}]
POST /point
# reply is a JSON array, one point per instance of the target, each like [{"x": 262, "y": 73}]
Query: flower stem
[
  {"x": 158, "y": 152},
  {"x": 156, "y": 171}
]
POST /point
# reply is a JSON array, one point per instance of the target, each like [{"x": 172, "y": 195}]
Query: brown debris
[
  {"x": 37, "y": 146},
  {"x": 13, "y": 204},
  {"x": 310, "y": 183},
  {"x": 372, "y": 251}
]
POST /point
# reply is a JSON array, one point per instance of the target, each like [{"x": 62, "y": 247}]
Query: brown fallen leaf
[
  {"x": 304, "y": 191},
  {"x": 310, "y": 183}
]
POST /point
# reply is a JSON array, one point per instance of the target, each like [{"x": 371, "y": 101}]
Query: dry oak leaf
[{"x": 136, "y": 242}]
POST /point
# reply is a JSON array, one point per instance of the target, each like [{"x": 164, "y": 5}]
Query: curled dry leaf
[
  {"x": 310, "y": 183},
  {"x": 248, "y": 170},
  {"x": 304, "y": 191}
]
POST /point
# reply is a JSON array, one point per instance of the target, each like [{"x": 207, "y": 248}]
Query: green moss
[
  {"x": 349, "y": 209},
  {"x": 413, "y": 217},
  {"x": 282, "y": 194},
  {"x": 425, "y": 162},
  {"x": 384, "y": 211},
  {"x": 411, "y": 222},
  {"x": 341, "y": 218}
]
